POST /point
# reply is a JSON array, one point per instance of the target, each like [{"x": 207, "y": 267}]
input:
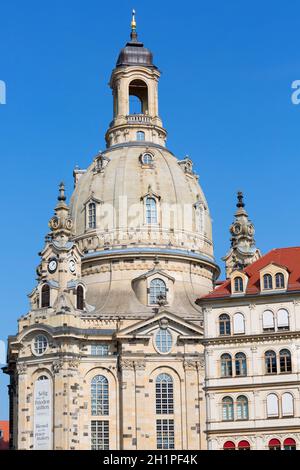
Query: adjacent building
[{"x": 252, "y": 353}]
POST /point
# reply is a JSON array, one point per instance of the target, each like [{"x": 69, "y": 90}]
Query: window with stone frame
[
  {"x": 100, "y": 435},
  {"x": 240, "y": 364},
  {"x": 165, "y": 434},
  {"x": 270, "y": 362},
  {"x": 285, "y": 361},
  {"x": 224, "y": 325},
  {"x": 164, "y": 395},
  {"x": 99, "y": 396},
  {"x": 226, "y": 365}
]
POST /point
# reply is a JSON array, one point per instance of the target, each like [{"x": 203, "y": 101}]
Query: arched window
[
  {"x": 224, "y": 324},
  {"x": 289, "y": 444},
  {"x": 147, "y": 159},
  {"x": 285, "y": 360},
  {"x": 80, "y": 298},
  {"x": 164, "y": 395},
  {"x": 240, "y": 364},
  {"x": 229, "y": 445},
  {"x": 140, "y": 136},
  {"x": 158, "y": 290},
  {"x": 238, "y": 284},
  {"x": 279, "y": 281},
  {"x": 283, "y": 319},
  {"x": 226, "y": 365},
  {"x": 45, "y": 296},
  {"x": 151, "y": 210},
  {"x": 287, "y": 404},
  {"x": 272, "y": 406},
  {"x": 227, "y": 409},
  {"x": 164, "y": 340},
  {"x": 99, "y": 396},
  {"x": 92, "y": 215},
  {"x": 268, "y": 320},
  {"x": 268, "y": 281},
  {"x": 274, "y": 444},
  {"x": 270, "y": 362},
  {"x": 238, "y": 324},
  {"x": 244, "y": 445},
  {"x": 242, "y": 411}
]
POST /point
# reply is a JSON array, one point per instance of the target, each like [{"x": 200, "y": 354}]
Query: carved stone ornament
[
  {"x": 140, "y": 365},
  {"x": 74, "y": 363},
  {"x": 57, "y": 366},
  {"x": 21, "y": 368},
  {"x": 190, "y": 365},
  {"x": 126, "y": 364}
]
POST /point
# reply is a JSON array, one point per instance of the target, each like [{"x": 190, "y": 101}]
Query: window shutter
[
  {"x": 268, "y": 319},
  {"x": 287, "y": 404},
  {"x": 272, "y": 405},
  {"x": 238, "y": 323},
  {"x": 282, "y": 318}
]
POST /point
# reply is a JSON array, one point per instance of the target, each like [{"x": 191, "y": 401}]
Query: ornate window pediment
[
  {"x": 100, "y": 163},
  {"x": 91, "y": 207},
  {"x": 151, "y": 207}
]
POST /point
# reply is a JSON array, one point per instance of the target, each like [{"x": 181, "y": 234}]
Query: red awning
[
  {"x": 243, "y": 444},
  {"x": 289, "y": 442},
  {"x": 229, "y": 445},
  {"x": 274, "y": 442}
]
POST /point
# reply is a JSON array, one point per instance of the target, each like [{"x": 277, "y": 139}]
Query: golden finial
[{"x": 133, "y": 22}]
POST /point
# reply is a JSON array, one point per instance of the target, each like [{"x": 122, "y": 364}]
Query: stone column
[
  {"x": 25, "y": 440},
  {"x": 195, "y": 405},
  {"x": 128, "y": 405}
]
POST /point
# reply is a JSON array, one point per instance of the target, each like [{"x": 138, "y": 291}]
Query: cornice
[{"x": 261, "y": 337}]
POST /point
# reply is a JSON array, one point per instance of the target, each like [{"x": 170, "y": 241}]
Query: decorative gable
[{"x": 274, "y": 277}]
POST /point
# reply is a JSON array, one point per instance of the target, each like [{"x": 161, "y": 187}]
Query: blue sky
[{"x": 225, "y": 99}]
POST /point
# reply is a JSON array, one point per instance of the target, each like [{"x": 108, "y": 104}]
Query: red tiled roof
[
  {"x": 285, "y": 257},
  {"x": 4, "y": 441}
]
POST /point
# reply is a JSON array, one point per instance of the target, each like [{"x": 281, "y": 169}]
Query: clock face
[
  {"x": 52, "y": 266},
  {"x": 72, "y": 266}
]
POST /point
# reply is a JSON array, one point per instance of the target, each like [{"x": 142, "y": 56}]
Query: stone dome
[{"x": 118, "y": 181}]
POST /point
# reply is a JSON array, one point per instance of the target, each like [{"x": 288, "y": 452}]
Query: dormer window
[
  {"x": 157, "y": 289},
  {"x": 238, "y": 284},
  {"x": 147, "y": 159},
  {"x": 268, "y": 281},
  {"x": 279, "y": 281},
  {"x": 151, "y": 211},
  {"x": 92, "y": 215}
]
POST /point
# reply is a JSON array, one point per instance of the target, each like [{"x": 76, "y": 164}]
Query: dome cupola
[{"x": 134, "y": 53}]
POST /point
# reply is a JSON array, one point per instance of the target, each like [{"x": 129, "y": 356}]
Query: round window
[
  {"x": 163, "y": 341},
  {"x": 40, "y": 345},
  {"x": 147, "y": 158}
]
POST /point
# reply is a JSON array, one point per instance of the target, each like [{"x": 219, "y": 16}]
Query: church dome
[{"x": 118, "y": 188}]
